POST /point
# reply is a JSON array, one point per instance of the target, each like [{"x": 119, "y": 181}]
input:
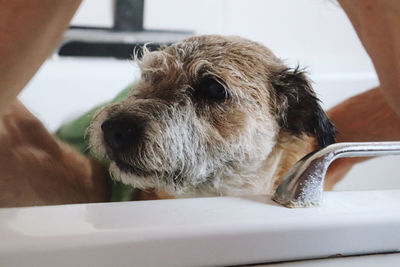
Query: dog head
[{"x": 206, "y": 116}]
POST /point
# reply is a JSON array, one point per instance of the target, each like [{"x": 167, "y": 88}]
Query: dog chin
[
  {"x": 146, "y": 182},
  {"x": 124, "y": 175}
]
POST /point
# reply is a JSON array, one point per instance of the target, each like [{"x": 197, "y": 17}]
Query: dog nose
[{"x": 120, "y": 134}]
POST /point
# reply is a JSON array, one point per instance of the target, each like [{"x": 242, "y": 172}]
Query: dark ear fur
[{"x": 298, "y": 107}]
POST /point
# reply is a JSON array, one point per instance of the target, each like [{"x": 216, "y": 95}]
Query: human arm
[
  {"x": 365, "y": 117},
  {"x": 375, "y": 114},
  {"x": 29, "y": 32}
]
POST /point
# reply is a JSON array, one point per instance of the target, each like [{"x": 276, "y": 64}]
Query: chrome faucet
[{"x": 303, "y": 185}]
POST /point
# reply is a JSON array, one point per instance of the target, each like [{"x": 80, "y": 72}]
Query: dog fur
[{"x": 211, "y": 115}]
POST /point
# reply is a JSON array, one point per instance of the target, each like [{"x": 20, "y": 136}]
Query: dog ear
[{"x": 298, "y": 109}]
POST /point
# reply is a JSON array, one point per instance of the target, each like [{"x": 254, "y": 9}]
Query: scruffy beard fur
[{"x": 191, "y": 139}]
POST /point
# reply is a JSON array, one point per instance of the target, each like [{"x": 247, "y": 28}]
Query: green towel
[{"x": 75, "y": 133}]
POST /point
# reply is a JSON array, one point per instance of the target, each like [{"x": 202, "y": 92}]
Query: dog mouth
[
  {"x": 122, "y": 164},
  {"x": 128, "y": 168},
  {"x": 178, "y": 176},
  {"x": 125, "y": 166}
]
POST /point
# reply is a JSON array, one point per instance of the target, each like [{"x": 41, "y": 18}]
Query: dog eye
[{"x": 213, "y": 89}]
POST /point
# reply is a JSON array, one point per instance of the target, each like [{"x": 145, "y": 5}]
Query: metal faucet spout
[{"x": 303, "y": 185}]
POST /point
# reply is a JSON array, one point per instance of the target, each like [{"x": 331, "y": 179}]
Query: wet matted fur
[{"x": 211, "y": 115}]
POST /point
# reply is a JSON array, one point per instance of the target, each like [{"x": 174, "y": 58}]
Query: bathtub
[
  {"x": 220, "y": 231},
  {"x": 361, "y": 218}
]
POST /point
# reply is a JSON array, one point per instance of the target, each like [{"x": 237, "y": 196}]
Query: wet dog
[{"x": 211, "y": 115}]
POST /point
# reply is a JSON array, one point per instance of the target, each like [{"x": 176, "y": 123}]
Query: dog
[{"x": 211, "y": 116}]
